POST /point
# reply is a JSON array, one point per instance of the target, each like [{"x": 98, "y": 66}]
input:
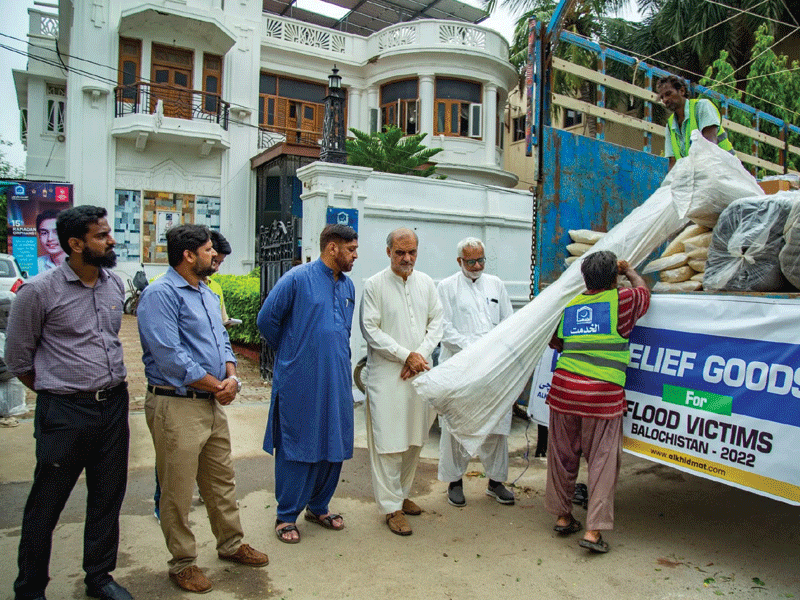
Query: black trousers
[{"x": 73, "y": 435}]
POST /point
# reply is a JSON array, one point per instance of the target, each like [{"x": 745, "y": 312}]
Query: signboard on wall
[
  {"x": 32, "y": 208},
  {"x": 713, "y": 388},
  {"x": 342, "y": 216}
]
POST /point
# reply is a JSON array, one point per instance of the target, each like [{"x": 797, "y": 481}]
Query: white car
[{"x": 11, "y": 276}]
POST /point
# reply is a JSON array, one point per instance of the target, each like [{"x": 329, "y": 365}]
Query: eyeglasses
[{"x": 471, "y": 262}]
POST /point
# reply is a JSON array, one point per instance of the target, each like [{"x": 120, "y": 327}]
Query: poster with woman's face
[{"x": 33, "y": 208}]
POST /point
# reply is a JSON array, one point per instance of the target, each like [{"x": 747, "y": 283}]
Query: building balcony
[
  {"x": 431, "y": 35},
  {"x": 146, "y": 111},
  {"x": 269, "y": 136}
]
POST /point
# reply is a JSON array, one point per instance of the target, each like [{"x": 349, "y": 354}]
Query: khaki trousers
[
  {"x": 600, "y": 441},
  {"x": 193, "y": 443}
]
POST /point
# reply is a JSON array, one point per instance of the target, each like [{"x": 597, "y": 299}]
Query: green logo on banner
[{"x": 714, "y": 403}]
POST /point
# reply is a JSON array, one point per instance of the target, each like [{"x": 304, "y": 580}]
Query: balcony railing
[
  {"x": 177, "y": 102},
  {"x": 268, "y": 136}
]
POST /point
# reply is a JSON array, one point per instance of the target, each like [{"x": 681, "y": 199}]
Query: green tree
[
  {"x": 390, "y": 152},
  {"x": 7, "y": 171},
  {"x": 772, "y": 85}
]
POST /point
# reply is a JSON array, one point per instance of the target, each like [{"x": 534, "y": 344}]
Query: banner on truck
[
  {"x": 713, "y": 388},
  {"x": 32, "y": 208}
]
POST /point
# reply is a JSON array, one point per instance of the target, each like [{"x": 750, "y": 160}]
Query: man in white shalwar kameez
[
  {"x": 401, "y": 319},
  {"x": 473, "y": 303}
]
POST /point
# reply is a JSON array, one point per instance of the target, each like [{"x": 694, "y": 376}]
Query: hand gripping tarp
[{"x": 475, "y": 388}]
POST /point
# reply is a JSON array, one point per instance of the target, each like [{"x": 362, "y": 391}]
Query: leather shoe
[
  {"x": 192, "y": 579},
  {"x": 246, "y": 555},
  {"x": 110, "y": 591}
]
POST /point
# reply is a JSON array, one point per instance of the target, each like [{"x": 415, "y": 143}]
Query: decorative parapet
[
  {"x": 403, "y": 35},
  {"x": 43, "y": 24},
  {"x": 462, "y": 35},
  {"x": 418, "y": 35},
  {"x": 304, "y": 34}
]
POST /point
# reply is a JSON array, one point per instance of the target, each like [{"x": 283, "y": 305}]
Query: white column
[
  {"x": 490, "y": 121},
  {"x": 426, "y": 105},
  {"x": 372, "y": 103},
  {"x": 354, "y": 117}
]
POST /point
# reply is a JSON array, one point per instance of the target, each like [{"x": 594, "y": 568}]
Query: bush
[{"x": 242, "y": 301}]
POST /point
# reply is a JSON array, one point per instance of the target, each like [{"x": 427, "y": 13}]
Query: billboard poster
[
  {"x": 713, "y": 388},
  {"x": 32, "y": 208}
]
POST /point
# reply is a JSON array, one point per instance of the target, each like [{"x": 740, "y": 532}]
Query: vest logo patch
[{"x": 587, "y": 319}]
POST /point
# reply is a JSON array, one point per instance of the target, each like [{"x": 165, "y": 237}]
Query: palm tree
[{"x": 390, "y": 152}]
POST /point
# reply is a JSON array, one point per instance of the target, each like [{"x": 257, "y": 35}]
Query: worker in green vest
[{"x": 688, "y": 115}]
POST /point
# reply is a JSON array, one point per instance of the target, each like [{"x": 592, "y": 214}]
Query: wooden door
[{"x": 172, "y": 81}]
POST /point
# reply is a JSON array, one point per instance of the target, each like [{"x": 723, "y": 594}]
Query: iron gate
[{"x": 276, "y": 253}]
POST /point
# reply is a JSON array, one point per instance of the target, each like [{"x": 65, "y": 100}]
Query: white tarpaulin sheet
[{"x": 475, "y": 388}]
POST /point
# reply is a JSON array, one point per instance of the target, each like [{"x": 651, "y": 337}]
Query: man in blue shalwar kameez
[{"x": 306, "y": 319}]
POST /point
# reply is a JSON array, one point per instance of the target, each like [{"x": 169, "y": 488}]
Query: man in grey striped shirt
[{"x": 62, "y": 342}]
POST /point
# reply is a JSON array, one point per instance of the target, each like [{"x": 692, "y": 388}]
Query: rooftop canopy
[{"x": 365, "y": 17}]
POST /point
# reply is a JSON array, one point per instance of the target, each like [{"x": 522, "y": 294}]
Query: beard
[
  {"x": 474, "y": 275},
  {"x": 107, "y": 260},
  {"x": 202, "y": 273}
]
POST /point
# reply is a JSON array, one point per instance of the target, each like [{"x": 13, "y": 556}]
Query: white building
[{"x": 186, "y": 110}]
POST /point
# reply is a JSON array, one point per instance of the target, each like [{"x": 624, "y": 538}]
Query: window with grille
[{"x": 56, "y": 103}]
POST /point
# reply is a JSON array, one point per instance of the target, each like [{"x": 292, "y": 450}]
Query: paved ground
[{"x": 677, "y": 536}]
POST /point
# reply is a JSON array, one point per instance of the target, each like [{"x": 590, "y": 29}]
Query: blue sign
[{"x": 342, "y": 216}]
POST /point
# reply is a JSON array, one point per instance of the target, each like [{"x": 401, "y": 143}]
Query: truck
[{"x": 713, "y": 386}]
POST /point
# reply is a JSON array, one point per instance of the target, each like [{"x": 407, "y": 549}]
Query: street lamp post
[{"x": 333, "y": 132}]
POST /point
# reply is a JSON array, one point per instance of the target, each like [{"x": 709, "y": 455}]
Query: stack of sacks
[
  {"x": 682, "y": 263},
  {"x": 582, "y": 242}
]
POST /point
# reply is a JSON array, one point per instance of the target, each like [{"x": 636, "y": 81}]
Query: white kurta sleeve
[
  {"x": 433, "y": 331},
  {"x": 377, "y": 339},
  {"x": 452, "y": 340}
]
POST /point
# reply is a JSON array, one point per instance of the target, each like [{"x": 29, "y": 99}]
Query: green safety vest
[
  {"x": 592, "y": 345},
  {"x": 722, "y": 135}
]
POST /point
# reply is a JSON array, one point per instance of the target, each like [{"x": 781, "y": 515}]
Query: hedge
[{"x": 242, "y": 301}]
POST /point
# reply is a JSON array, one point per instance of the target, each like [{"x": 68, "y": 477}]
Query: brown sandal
[
  {"x": 397, "y": 523},
  {"x": 326, "y": 522}
]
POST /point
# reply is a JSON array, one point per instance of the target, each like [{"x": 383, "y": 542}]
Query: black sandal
[
  {"x": 600, "y": 545},
  {"x": 279, "y": 533},
  {"x": 573, "y": 526}
]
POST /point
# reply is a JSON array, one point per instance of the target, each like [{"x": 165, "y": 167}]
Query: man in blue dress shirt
[
  {"x": 306, "y": 319},
  {"x": 191, "y": 376}
]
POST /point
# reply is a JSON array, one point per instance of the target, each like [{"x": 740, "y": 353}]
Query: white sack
[
  {"x": 681, "y": 286},
  {"x": 676, "y": 275},
  {"x": 585, "y": 236},
  {"x": 676, "y": 245},
  {"x": 698, "y": 264},
  {"x": 708, "y": 180},
  {"x": 673, "y": 261},
  {"x": 475, "y": 388},
  {"x": 578, "y": 249},
  {"x": 697, "y": 277},
  {"x": 698, "y": 253},
  {"x": 570, "y": 259}
]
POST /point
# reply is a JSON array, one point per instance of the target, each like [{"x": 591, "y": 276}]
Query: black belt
[
  {"x": 97, "y": 396},
  {"x": 160, "y": 391}
]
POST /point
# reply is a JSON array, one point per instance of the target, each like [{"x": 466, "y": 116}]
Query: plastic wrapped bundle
[
  {"x": 743, "y": 255},
  {"x": 790, "y": 254}
]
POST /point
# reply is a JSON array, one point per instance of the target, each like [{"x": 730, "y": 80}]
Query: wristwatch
[{"x": 238, "y": 383}]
